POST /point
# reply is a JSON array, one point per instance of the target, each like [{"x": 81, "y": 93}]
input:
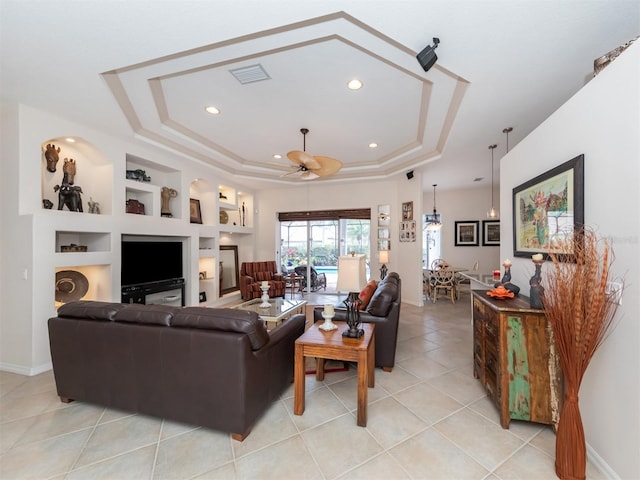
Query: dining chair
[{"x": 444, "y": 284}]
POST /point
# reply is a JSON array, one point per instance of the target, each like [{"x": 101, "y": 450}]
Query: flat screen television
[{"x": 146, "y": 262}]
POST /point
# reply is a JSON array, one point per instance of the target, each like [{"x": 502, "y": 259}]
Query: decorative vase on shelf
[{"x": 265, "y": 296}]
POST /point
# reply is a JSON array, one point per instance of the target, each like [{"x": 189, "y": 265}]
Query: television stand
[{"x": 167, "y": 292}]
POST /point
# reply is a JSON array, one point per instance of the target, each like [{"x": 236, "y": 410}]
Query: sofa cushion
[
  {"x": 366, "y": 294},
  {"x": 147, "y": 314},
  {"x": 262, "y": 276},
  {"x": 224, "y": 319},
  {"x": 90, "y": 310},
  {"x": 382, "y": 298}
]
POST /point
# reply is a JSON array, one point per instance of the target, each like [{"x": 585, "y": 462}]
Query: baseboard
[
  {"x": 22, "y": 370},
  {"x": 603, "y": 466}
]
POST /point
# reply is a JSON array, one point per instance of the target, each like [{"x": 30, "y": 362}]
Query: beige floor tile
[
  {"x": 118, "y": 437},
  {"x": 381, "y": 467},
  {"x": 10, "y": 432},
  {"x": 225, "y": 472},
  {"x": 60, "y": 422},
  {"x": 275, "y": 425},
  {"x": 428, "y": 403},
  {"x": 452, "y": 357},
  {"x": 486, "y": 407},
  {"x": 422, "y": 367},
  {"x": 460, "y": 385},
  {"x": 171, "y": 429},
  {"x": 13, "y": 408},
  {"x": 48, "y": 458},
  {"x": 430, "y": 455},
  {"x": 390, "y": 422},
  {"x": 320, "y": 406},
  {"x": 289, "y": 459},
  {"x": 132, "y": 465},
  {"x": 347, "y": 392},
  {"x": 397, "y": 380},
  {"x": 192, "y": 453},
  {"x": 340, "y": 445},
  {"x": 529, "y": 463},
  {"x": 485, "y": 441}
]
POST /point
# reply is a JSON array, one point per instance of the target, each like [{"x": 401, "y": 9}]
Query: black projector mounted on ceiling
[{"x": 427, "y": 57}]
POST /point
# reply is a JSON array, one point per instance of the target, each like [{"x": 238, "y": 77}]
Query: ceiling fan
[{"x": 308, "y": 166}]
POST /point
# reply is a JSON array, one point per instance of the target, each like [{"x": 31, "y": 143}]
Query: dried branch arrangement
[{"x": 580, "y": 313}]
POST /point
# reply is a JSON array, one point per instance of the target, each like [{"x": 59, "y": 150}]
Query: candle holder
[
  {"x": 265, "y": 297},
  {"x": 328, "y": 315}
]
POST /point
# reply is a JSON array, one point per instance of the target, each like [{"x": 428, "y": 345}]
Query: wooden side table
[{"x": 332, "y": 345}]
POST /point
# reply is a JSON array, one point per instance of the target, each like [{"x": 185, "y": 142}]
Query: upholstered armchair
[{"x": 252, "y": 274}]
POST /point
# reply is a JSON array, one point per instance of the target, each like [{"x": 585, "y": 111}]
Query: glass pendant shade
[{"x": 434, "y": 223}]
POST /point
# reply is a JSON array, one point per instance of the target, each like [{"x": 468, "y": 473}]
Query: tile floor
[{"x": 428, "y": 419}]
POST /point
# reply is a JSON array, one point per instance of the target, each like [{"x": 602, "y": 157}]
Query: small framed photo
[
  {"x": 408, "y": 231},
  {"x": 467, "y": 233},
  {"x": 407, "y": 211},
  {"x": 384, "y": 244},
  {"x": 383, "y": 233},
  {"x": 195, "y": 214},
  {"x": 202, "y": 297},
  {"x": 490, "y": 233}
]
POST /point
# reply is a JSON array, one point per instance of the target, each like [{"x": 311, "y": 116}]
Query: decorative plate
[{"x": 224, "y": 217}]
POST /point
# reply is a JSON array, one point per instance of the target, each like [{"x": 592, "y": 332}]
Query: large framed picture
[
  {"x": 547, "y": 209},
  {"x": 490, "y": 233},
  {"x": 195, "y": 214},
  {"x": 467, "y": 233}
]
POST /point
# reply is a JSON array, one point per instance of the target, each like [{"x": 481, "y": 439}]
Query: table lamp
[
  {"x": 383, "y": 259},
  {"x": 352, "y": 278}
]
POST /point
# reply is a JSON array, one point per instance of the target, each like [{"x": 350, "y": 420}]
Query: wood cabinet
[{"x": 515, "y": 359}]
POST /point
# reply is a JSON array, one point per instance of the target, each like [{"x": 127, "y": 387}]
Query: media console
[{"x": 166, "y": 292}]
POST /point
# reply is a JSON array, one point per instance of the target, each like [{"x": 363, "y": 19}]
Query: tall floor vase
[{"x": 571, "y": 449}]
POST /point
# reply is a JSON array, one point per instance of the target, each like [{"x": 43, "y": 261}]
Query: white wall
[
  {"x": 602, "y": 122},
  {"x": 463, "y": 205}
]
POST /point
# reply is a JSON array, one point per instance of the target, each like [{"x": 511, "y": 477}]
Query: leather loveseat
[
  {"x": 252, "y": 274},
  {"x": 383, "y": 309},
  {"x": 214, "y": 367}
]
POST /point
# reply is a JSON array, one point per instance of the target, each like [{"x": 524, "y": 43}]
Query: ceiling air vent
[{"x": 250, "y": 74}]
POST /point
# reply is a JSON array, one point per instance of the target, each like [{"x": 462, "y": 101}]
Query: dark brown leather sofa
[
  {"x": 218, "y": 368},
  {"x": 384, "y": 311}
]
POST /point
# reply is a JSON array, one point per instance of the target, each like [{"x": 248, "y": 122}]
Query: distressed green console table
[{"x": 515, "y": 358}]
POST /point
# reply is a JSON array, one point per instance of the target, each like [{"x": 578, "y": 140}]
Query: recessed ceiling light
[
  {"x": 277, "y": 156},
  {"x": 212, "y": 110},
  {"x": 373, "y": 145},
  {"x": 70, "y": 140},
  {"x": 354, "y": 84}
]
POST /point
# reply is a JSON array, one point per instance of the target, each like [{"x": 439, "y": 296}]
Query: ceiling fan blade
[
  {"x": 303, "y": 158},
  {"x": 293, "y": 172},
  {"x": 327, "y": 166}
]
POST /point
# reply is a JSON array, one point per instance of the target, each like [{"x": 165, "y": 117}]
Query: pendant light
[
  {"x": 492, "y": 213},
  {"x": 435, "y": 223}
]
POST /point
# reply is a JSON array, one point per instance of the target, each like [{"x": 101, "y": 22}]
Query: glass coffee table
[{"x": 278, "y": 310}]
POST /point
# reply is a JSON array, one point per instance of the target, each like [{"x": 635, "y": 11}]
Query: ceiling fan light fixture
[{"x": 311, "y": 166}]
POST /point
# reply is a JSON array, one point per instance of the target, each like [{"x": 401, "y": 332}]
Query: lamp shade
[
  {"x": 383, "y": 257},
  {"x": 352, "y": 275}
]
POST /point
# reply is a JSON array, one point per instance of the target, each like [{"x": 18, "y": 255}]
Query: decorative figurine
[
  {"x": 48, "y": 204},
  {"x": 94, "y": 207},
  {"x": 167, "y": 194},
  {"x": 506, "y": 279},
  {"x": 51, "y": 156},
  {"x": 536, "y": 291},
  {"x": 69, "y": 168},
  {"x": 69, "y": 195},
  {"x": 139, "y": 175}
]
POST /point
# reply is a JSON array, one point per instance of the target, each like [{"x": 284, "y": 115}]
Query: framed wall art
[
  {"x": 195, "y": 214},
  {"x": 467, "y": 233},
  {"x": 490, "y": 233},
  {"x": 408, "y": 231},
  {"x": 384, "y": 244},
  {"x": 547, "y": 209},
  {"x": 407, "y": 211}
]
